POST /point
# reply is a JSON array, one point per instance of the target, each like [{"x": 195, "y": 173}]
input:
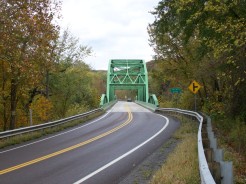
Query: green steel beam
[{"x": 127, "y": 74}]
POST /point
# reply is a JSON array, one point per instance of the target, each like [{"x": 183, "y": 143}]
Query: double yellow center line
[{"x": 67, "y": 149}]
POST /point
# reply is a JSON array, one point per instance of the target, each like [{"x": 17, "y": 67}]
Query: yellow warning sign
[{"x": 194, "y": 87}]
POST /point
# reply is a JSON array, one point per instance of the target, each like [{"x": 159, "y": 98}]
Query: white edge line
[
  {"x": 124, "y": 155},
  {"x": 57, "y": 134}
]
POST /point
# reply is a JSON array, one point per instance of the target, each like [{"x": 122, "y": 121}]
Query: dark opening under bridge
[{"x": 128, "y": 74}]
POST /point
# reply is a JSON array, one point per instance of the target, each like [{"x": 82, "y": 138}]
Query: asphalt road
[{"x": 104, "y": 150}]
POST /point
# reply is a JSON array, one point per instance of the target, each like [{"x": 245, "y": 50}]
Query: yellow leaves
[
  {"x": 41, "y": 107},
  {"x": 195, "y": 16},
  {"x": 22, "y": 118},
  {"x": 216, "y": 7},
  {"x": 238, "y": 43},
  {"x": 239, "y": 81}
]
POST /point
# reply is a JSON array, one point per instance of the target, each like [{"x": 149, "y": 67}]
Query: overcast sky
[{"x": 115, "y": 29}]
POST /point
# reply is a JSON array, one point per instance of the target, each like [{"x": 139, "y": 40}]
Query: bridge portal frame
[{"x": 127, "y": 74}]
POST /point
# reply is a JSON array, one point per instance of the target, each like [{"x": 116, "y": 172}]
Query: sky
[{"x": 114, "y": 29}]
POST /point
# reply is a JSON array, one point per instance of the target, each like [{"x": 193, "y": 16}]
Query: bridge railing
[
  {"x": 153, "y": 100},
  {"x": 105, "y": 104},
  {"x": 150, "y": 106},
  {"x": 103, "y": 100},
  {"x": 225, "y": 175},
  {"x": 108, "y": 105},
  {"x": 152, "y": 103}
]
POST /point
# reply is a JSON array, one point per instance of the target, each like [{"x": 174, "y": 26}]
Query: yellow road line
[{"x": 67, "y": 149}]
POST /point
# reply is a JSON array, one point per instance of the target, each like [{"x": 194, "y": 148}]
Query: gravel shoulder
[{"x": 143, "y": 173}]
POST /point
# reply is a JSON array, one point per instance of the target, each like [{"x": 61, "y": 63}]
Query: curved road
[{"x": 101, "y": 151}]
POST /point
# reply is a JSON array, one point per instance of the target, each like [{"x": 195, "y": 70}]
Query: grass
[
  {"x": 181, "y": 166},
  {"x": 146, "y": 173},
  {"x": 37, "y": 134},
  {"x": 238, "y": 161}
]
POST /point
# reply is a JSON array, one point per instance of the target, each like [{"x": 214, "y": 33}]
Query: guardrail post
[
  {"x": 221, "y": 171},
  {"x": 209, "y": 154},
  {"x": 213, "y": 143},
  {"x": 226, "y": 172},
  {"x": 212, "y": 168},
  {"x": 215, "y": 170},
  {"x": 218, "y": 155},
  {"x": 205, "y": 142}
]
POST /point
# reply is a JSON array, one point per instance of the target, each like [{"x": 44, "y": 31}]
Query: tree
[
  {"x": 27, "y": 40},
  {"x": 70, "y": 84},
  {"x": 204, "y": 40}
]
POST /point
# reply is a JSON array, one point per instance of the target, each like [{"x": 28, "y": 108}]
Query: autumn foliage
[
  {"x": 203, "y": 41},
  {"x": 41, "y": 66},
  {"x": 41, "y": 107}
]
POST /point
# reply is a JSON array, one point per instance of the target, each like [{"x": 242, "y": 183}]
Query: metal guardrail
[
  {"x": 18, "y": 131},
  {"x": 222, "y": 170},
  {"x": 149, "y": 106},
  {"x": 205, "y": 174},
  {"x": 108, "y": 105}
]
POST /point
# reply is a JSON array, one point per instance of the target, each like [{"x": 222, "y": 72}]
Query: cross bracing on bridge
[{"x": 127, "y": 74}]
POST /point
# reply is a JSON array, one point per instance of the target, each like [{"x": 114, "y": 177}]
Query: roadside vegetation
[
  {"x": 204, "y": 41},
  {"x": 182, "y": 165},
  {"x": 43, "y": 75}
]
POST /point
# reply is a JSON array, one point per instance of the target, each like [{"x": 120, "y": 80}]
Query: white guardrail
[
  {"x": 18, "y": 131},
  {"x": 205, "y": 174}
]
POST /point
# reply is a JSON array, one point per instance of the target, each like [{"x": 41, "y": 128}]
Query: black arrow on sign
[{"x": 194, "y": 87}]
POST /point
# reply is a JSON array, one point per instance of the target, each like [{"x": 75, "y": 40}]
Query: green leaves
[
  {"x": 27, "y": 34},
  {"x": 38, "y": 68},
  {"x": 200, "y": 40}
]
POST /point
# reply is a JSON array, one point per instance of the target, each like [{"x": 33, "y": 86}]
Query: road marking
[
  {"x": 69, "y": 148},
  {"x": 56, "y": 134},
  {"x": 124, "y": 155}
]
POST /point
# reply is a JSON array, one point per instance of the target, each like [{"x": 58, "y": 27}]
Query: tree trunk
[
  {"x": 205, "y": 88},
  {"x": 13, "y": 104},
  {"x": 5, "y": 119},
  {"x": 47, "y": 84},
  {"x": 4, "y": 98}
]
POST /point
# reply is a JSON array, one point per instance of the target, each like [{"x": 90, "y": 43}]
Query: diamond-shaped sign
[{"x": 194, "y": 87}]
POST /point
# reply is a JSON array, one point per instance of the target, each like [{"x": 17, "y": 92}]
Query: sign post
[
  {"x": 194, "y": 88},
  {"x": 175, "y": 91}
]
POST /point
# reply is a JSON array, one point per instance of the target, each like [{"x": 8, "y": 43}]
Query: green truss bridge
[{"x": 128, "y": 74}]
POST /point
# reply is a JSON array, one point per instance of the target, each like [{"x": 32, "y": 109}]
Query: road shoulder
[{"x": 144, "y": 172}]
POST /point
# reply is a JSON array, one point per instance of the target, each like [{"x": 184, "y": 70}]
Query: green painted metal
[
  {"x": 103, "y": 100},
  {"x": 125, "y": 74},
  {"x": 153, "y": 100},
  {"x": 128, "y": 74},
  {"x": 106, "y": 106},
  {"x": 149, "y": 106}
]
